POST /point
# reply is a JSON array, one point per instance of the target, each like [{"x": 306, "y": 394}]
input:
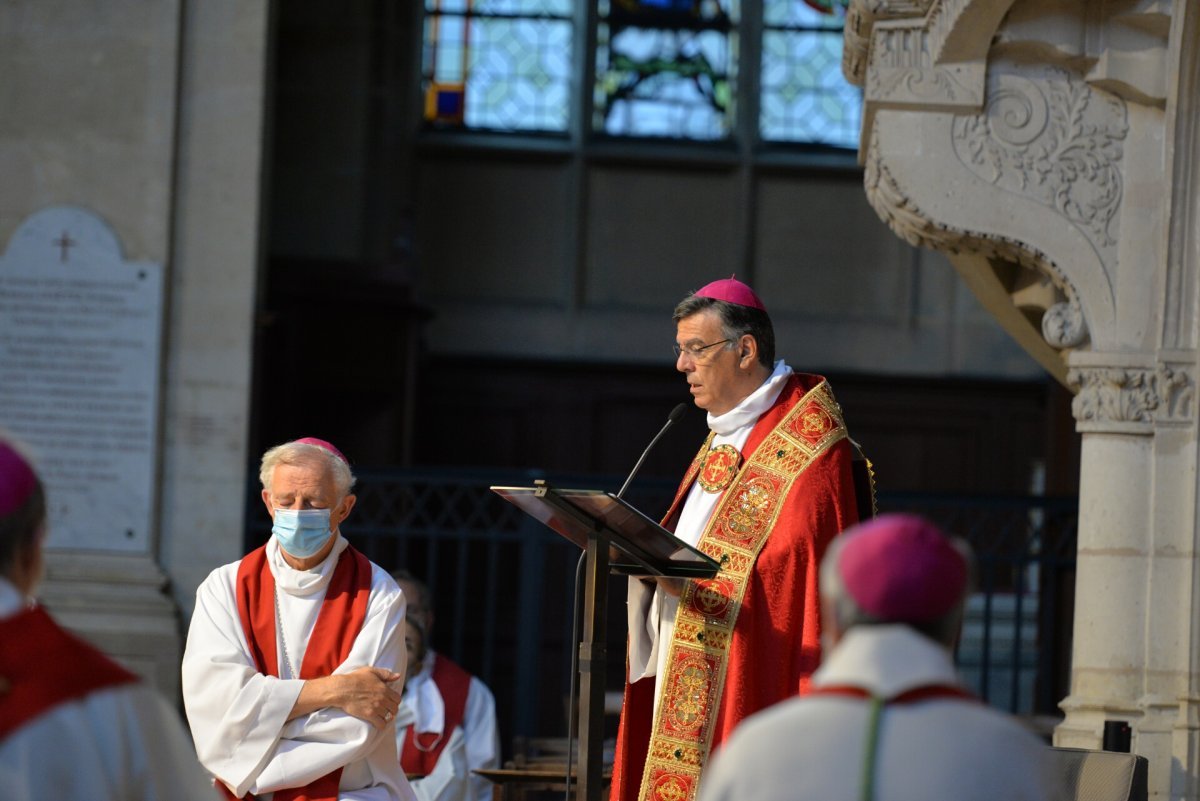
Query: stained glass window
[
  {"x": 666, "y": 68},
  {"x": 663, "y": 68},
  {"x": 803, "y": 96},
  {"x": 502, "y": 65}
]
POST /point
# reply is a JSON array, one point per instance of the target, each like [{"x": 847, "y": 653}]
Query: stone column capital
[{"x": 1132, "y": 393}]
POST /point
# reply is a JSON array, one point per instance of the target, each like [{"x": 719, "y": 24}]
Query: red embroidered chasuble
[
  {"x": 422, "y": 751},
  {"x": 793, "y": 493},
  {"x": 338, "y": 624},
  {"x": 43, "y": 666}
]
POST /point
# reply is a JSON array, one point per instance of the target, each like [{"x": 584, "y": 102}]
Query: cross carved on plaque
[{"x": 64, "y": 242}]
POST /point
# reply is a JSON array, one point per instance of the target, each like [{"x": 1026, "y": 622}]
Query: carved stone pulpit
[{"x": 1051, "y": 151}]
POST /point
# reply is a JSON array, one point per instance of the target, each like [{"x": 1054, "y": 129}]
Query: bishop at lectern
[{"x": 770, "y": 487}]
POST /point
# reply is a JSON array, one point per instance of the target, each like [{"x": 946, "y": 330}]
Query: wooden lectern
[{"x": 619, "y": 539}]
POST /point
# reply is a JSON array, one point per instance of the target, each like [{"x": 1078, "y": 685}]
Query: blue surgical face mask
[{"x": 301, "y": 532}]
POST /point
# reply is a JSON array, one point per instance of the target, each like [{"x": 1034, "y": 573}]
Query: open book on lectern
[{"x": 643, "y": 547}]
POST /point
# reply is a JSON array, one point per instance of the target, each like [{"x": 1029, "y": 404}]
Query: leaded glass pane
[
  {"x": 666, "y": 68},
  {"x": 510, "y": 72},
  {"x": 804, "y": 97},
  {"x": 447, "y": 61},
  {"x": 522, "y": 8},
  {"x": 798, "y": 14}
]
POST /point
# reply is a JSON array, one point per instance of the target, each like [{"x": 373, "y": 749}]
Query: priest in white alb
[
  {"x": 295, "y": 656},
  {"x": 446, "y": 725},
  {"x": 74, "y": 724}
]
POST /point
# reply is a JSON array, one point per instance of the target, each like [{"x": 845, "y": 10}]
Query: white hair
[{"x": 295, "y": 453}]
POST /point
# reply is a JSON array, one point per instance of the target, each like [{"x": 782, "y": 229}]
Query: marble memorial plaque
[{"x": 79, "y": 368}]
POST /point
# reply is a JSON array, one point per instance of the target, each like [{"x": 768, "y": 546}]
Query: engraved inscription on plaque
[{"x": 79, "y": 365}]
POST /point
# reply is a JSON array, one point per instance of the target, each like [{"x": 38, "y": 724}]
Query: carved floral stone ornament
[
  {"x": 1132, "y": 399},
  {"x": 1063, "y": 325},
  {"x": 1053, "y": 139},
  {"x": 998, "y": 129}
]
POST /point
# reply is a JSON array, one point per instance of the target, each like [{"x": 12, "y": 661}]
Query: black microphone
[{"x": 673, "y": 418}]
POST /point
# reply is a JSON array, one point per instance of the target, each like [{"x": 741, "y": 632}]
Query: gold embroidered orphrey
[
  {"x": 682, "y": 731},
  {"x": 719, "y": 467}
]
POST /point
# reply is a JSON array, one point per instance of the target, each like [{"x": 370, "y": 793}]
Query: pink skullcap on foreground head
[
  {"x": 17, "y": 479},
  {"x": 733, "y": 291},
  {"x": 901, "y": 568},
  {"x": 320, "y": 443}
]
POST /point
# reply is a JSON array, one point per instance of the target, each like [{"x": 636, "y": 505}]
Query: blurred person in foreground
[
  {"x": 771, "y": 486},
  {"x": 887, "y": 718},
  {"x": 446, "y": 725},
  {"x": 73, "y": 723},
  {"x": 295, "y": 655}
]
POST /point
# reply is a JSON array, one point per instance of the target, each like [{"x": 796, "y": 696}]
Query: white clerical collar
[
  {"x": 303, "y": 582},
  {"x": 886, "y": 659},
  {"x": 753, "y": 405},
  {"x": 422, "y": 705}
]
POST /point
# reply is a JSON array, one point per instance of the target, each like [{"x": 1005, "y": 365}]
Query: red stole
[
  {"x": 338, "y": 624},
  {"x": 915, "y": 695},
  {"x": 44, "y": 666},
  {"x": 421, "y": 751}
]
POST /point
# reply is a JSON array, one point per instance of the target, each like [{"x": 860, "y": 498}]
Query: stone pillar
[
  {"x": 216, "y": 256},
  {"x": 1136, "y": 603},
  {"x": 148, "y": 114}
]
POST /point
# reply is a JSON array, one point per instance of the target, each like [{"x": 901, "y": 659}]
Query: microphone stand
[
  {"x": 674, "y": 417},
  {"x": 598, "y": 654}
]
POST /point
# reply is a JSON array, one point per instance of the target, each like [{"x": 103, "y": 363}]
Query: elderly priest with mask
[{"x": 295, "y": 657}]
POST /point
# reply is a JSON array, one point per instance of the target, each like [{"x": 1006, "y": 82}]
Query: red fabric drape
[{"x": 44, "y": 666}]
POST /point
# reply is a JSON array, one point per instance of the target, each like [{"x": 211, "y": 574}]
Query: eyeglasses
[{"x": 696, "y": 353}]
